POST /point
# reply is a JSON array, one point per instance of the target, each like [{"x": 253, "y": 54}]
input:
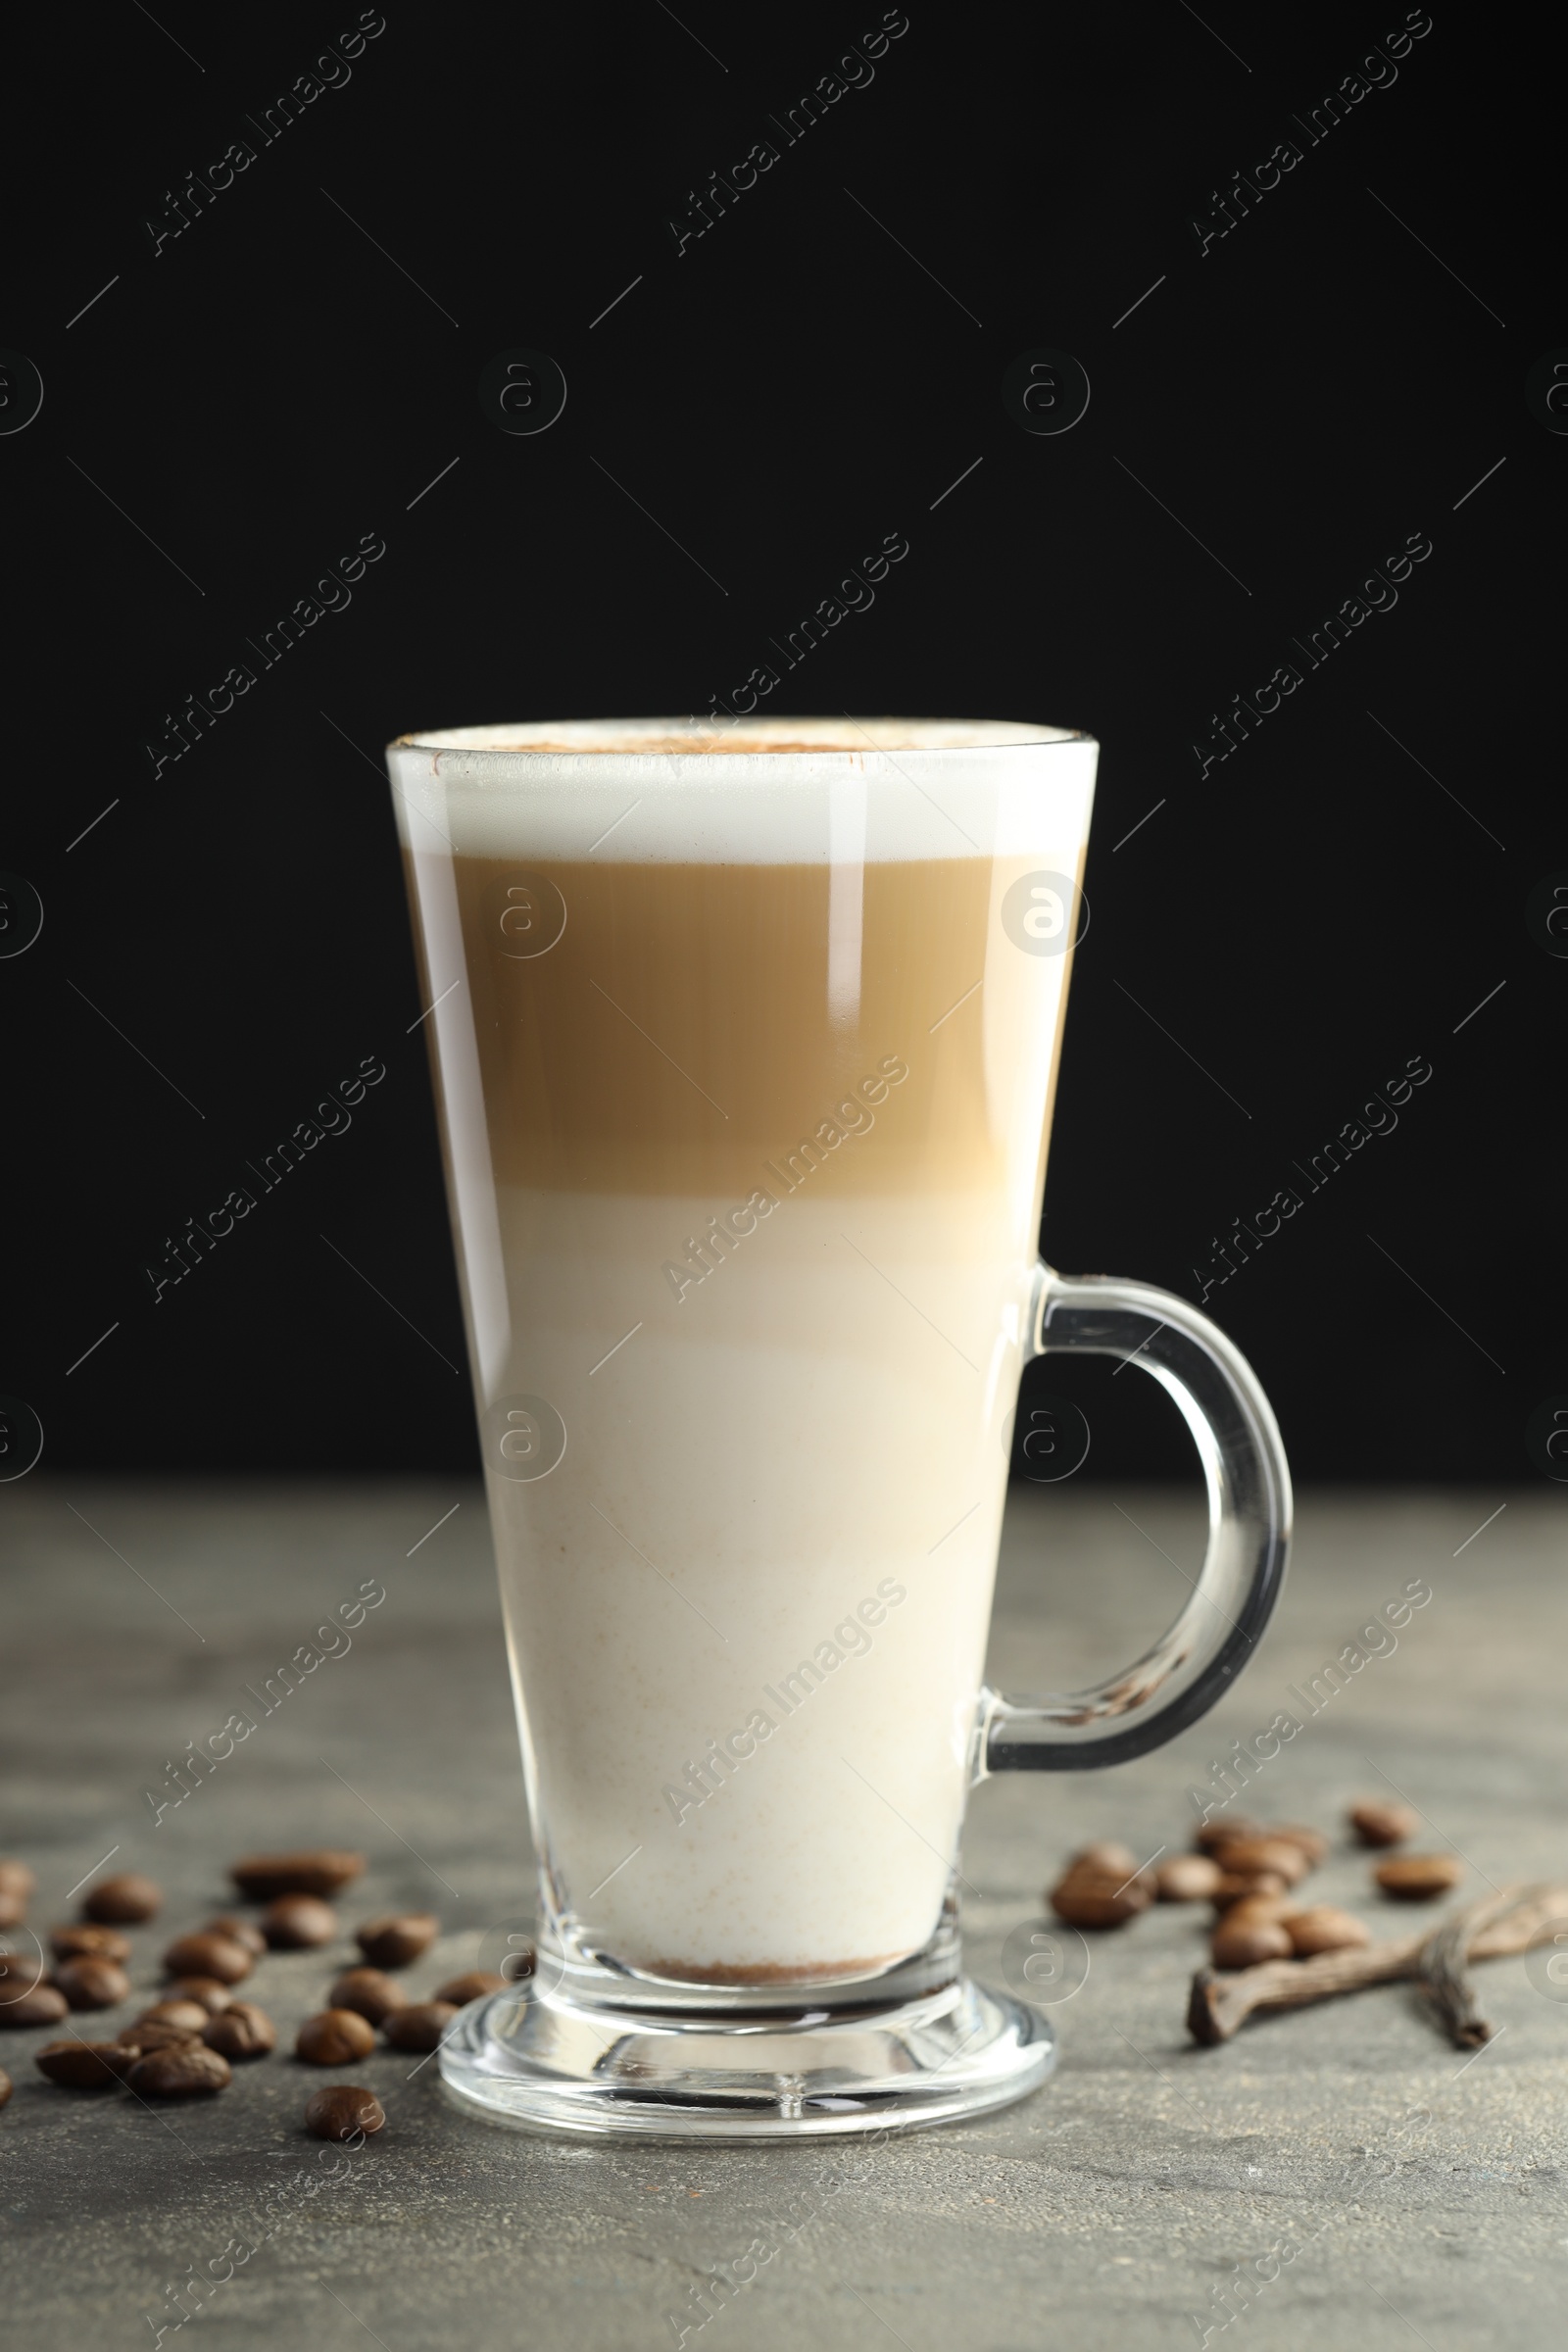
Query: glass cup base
[{"x": 543, "y": 2059}]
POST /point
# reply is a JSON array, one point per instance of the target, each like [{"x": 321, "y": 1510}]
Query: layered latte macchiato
[{"x": 743, "y": 1099}]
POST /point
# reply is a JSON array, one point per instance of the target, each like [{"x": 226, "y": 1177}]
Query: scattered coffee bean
[
  {"x": 242, "y": 1932},
  {"x": 341, "y": 2110},
  {"x": 260, "y": 1877},
  {"x": 156, "y": 2034},
  {"x": 1416, "y": 1878},
  {"x": 124, "y": 1901},
  {"x": 1250, "y": 1854},
  {"x": 295, "y": 1923},
  {"x": 1107, "y": 1855},
  {"x": 13, "y": 1909},
  {"x": 1214, "y": 1834},
  {"x": 1235, "y": 1886},
  {"x": 1324, "y": 1929},
  {"x": 84, "y": 2065},
  {"x": 1187, "y": 1878},
  {"x": 398, "y": 1938},
  {"x": 1312, "y": 1843},
  {"x": 192, "y": 2015},
  {"x": 212, "y": 1995},
  {"x": 216, "y": 1956},
  {"x": 421, "y": 2025},
  {"x": 75, "y": 1943},
  {"x": 241, "y": 2030},
  {"x": 24, "y": 1969},
  {"x": 189, "y": 2071},
  {"x": 42, "y": 2006},
  {"x": 5, "y": 2086},
  {"x": 395, "y": 1941},
  {"x": 335, "y": 2037},
  {"x": 1253, "y": 1907},
  {"x": 366, "y": 1992},
  {"x": 1379, "y": 1821},
  {"x": 1245, "y": 1945},
  {"x": 92, "y": 1983},
  {"x": 1087, "y": 1898},
  {"x": 479, "y": 1982}
]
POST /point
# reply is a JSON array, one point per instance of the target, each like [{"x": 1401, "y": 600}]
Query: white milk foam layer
[{"x": 896, "y": 789}]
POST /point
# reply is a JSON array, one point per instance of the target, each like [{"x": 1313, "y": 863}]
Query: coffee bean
[
  {"x": 1107, "y": 1855},
  {"x": 1324, "y": 1929},
  {"x": 242, "y": 1932},
  {"x": 394, "y": 1942},
  {"x": 1253, "y": 1907},
  {"x": 1245, "y": 1945},
  {"x": 241, "y": 2030},
  {"x": 367, "y": 1993},
  {"x": 21, "y": 1970},
  {"x": 216, "y": 1956},
  {"x": 1379, "y": 1821},
  {"x": 124, "y": 1901},
  {"x": 1312, "y": 1843},
  {"x": 189, "y": 2071},
  {"x": 1250, "y": 1854},
  {"x": 295, "y": 1923},
  {"x": 212, "y": 1995},
  {"x": 461, "y": 1991},
  {"x": 421, "y": 2025},
  {"x": 43, "y": 2006},
  {"x": 192, "y": 2015},
  {"x": 156, "y": 2034},
  {"x": 1212, "y": 1834},
  {"x": 75, "y": 1943},
  {"x": 5, "y": 2086},
  {"x": 1235, "y": 1886},
  {"x": 1087, "y": 1898},
  {"x": 92, "y": 1983},
  {"x": 1416, "y": 1878},
  {"x": 84, "y": 2065},
  {"x": 342, "y": 2110},
  {"x": 1187, "y": 1878},
  {"x": 335, "y": 2037},
  {"x": 260, "y": 1877},
  {"x": 18, "y": 1880},
  {"x": 13, "y": 1909}
]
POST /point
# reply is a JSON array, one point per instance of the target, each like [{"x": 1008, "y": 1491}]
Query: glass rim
[{"x": 667, "y": 739}]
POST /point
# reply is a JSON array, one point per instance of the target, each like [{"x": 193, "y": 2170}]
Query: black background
[{"x": 234, "y": 411}]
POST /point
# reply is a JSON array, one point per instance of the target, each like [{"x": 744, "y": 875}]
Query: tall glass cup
[{"x": 745, "y": 1049}]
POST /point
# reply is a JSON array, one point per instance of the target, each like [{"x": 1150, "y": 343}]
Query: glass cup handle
[{"x": 1249, "y": 1483}]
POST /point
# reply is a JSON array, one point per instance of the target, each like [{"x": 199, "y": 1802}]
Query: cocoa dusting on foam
[{"x": 681, "y": 746}]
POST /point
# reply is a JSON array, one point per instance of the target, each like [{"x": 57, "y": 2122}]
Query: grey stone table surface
[{"x": 1362, "y": 2180}]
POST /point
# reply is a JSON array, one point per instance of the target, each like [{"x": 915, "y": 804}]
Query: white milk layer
[{"x": 748, "y": 1605}]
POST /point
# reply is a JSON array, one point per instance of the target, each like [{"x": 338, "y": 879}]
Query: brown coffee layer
[{"x": 669, "y": 1028}]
